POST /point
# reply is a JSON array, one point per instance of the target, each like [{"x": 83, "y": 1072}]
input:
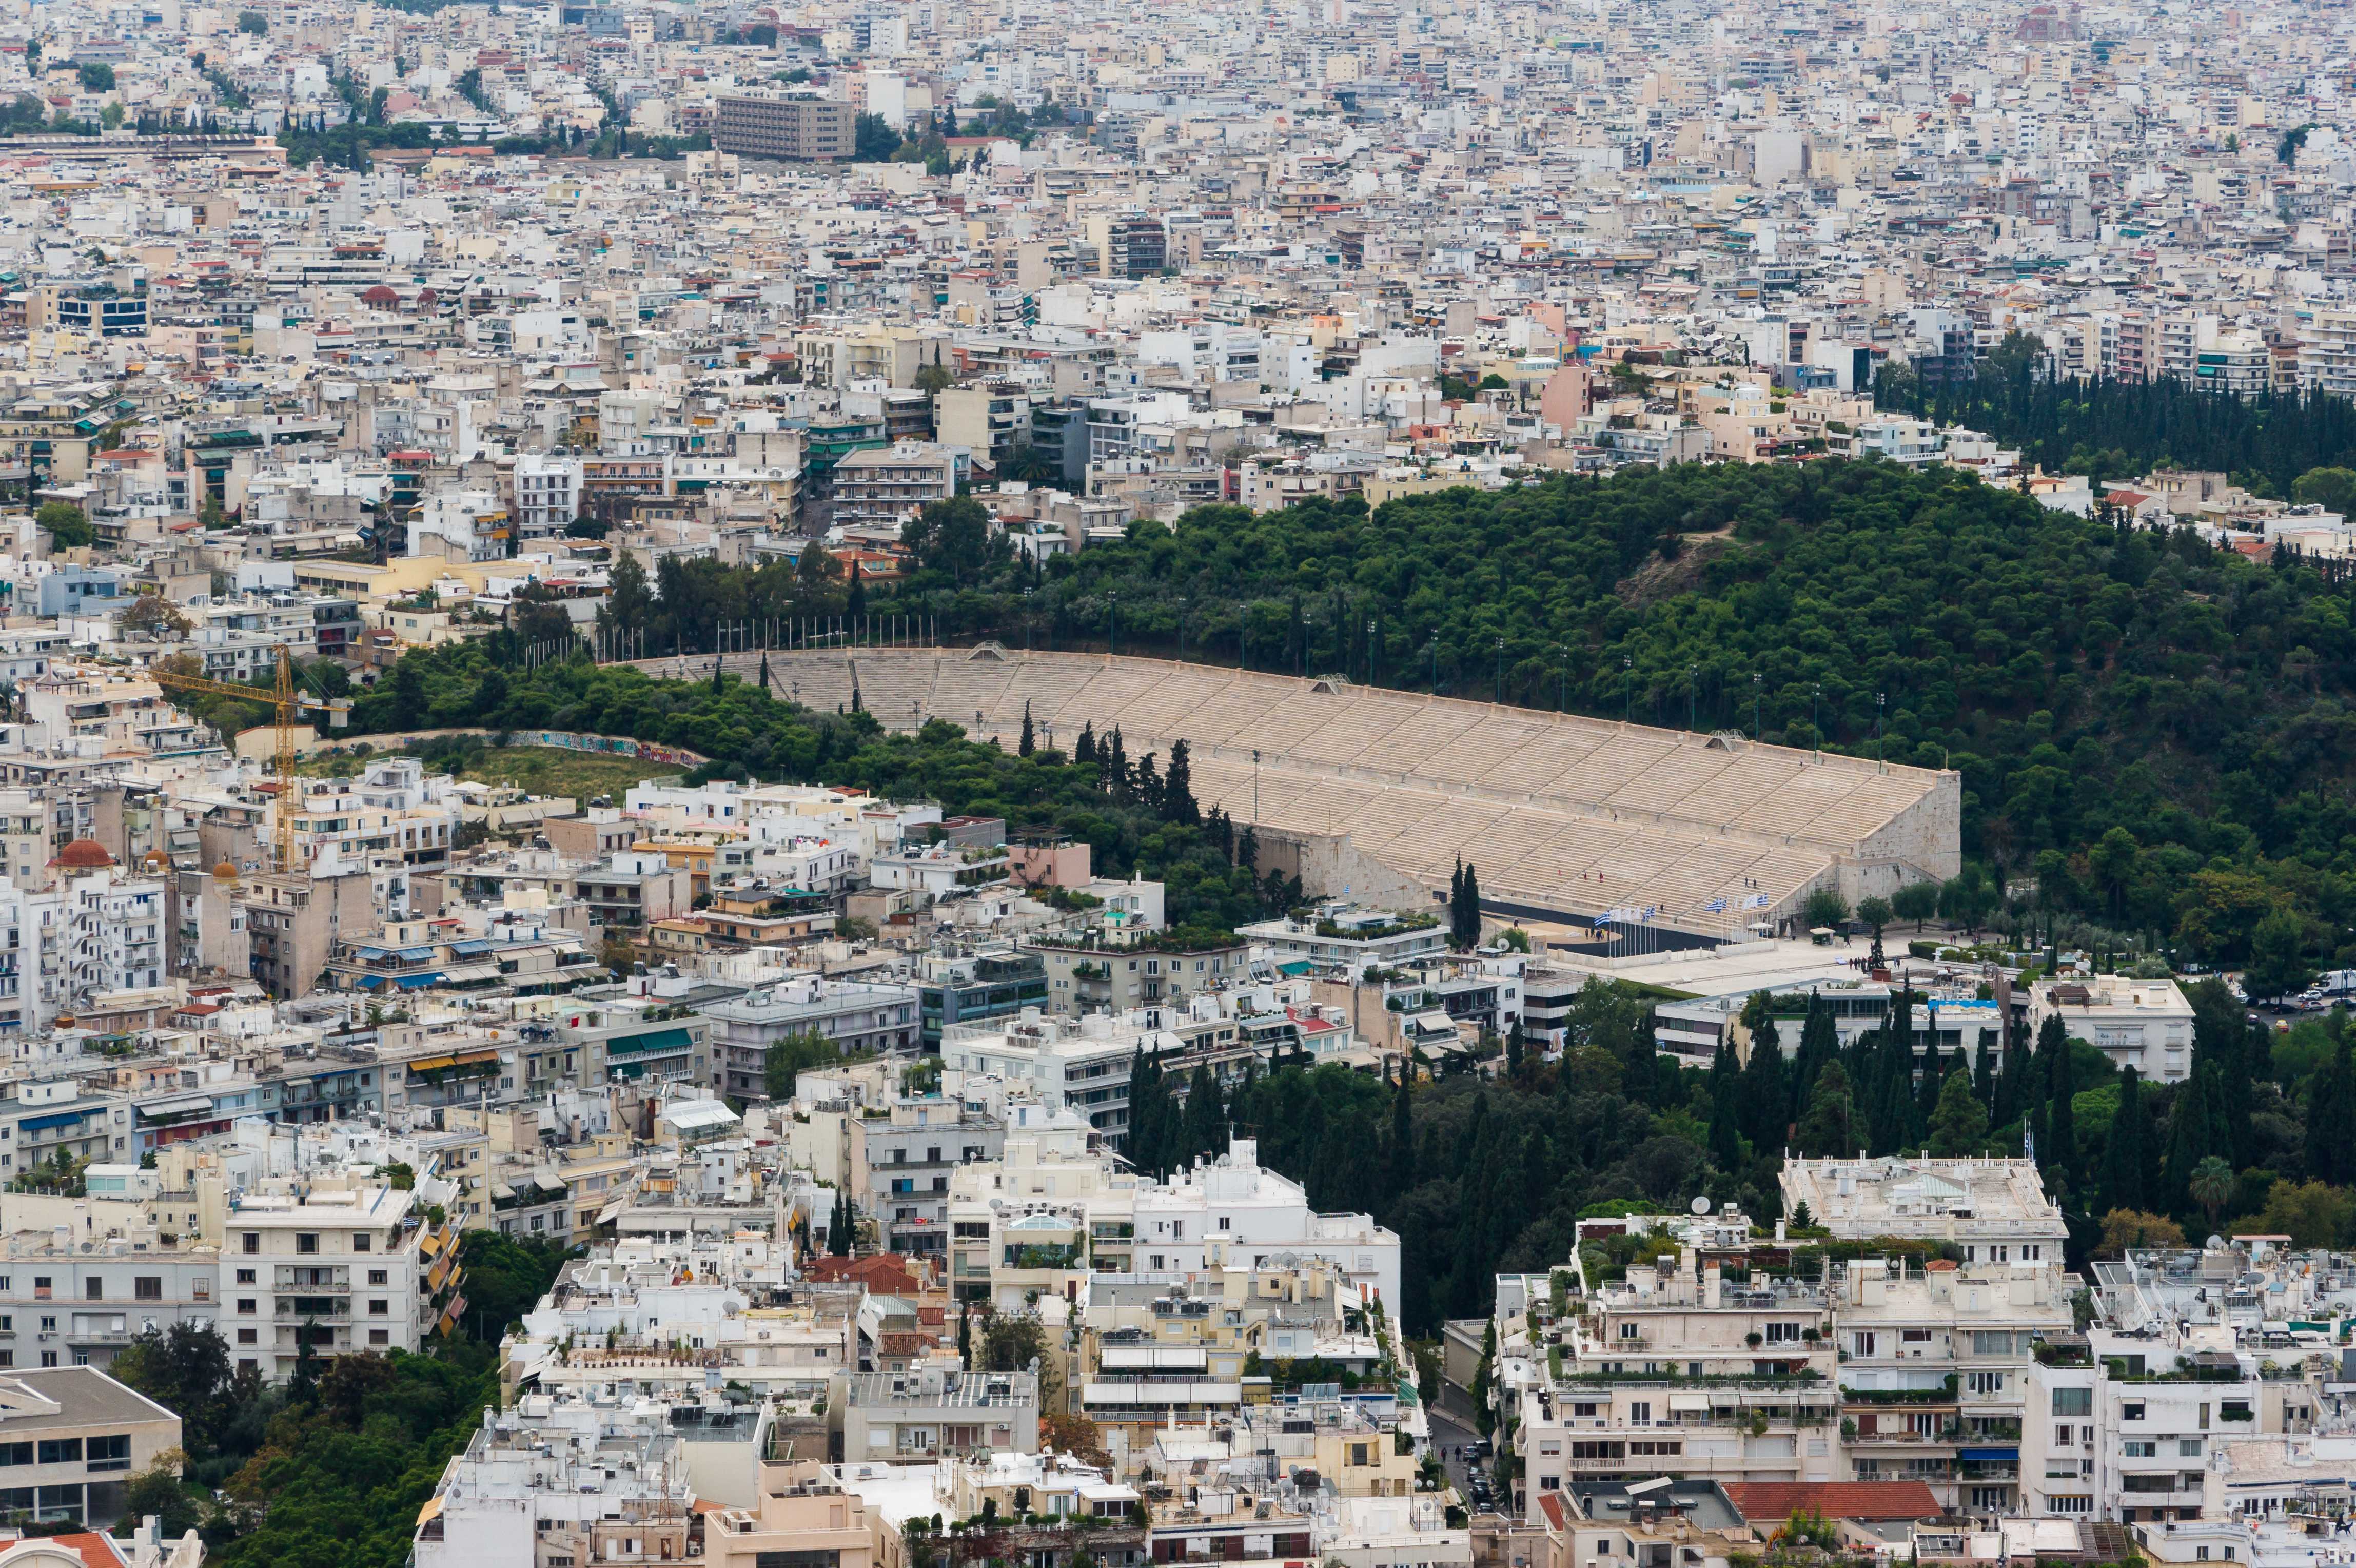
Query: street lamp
[{"x": 1501, "y": 672}]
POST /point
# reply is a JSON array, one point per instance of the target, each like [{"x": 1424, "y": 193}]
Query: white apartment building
[
  {"x": 1343, "y": 933},
  {"x": 547, "y": 495},
  {"x": 461, "y": 525},
  {"x": 1674, "y": 1367},
  {"x": 1995, "y": 1211},
  {"x": 1934, "y": 1365},
  {"x": 342, "y": 1265},
  {"x": 1082, "y": 1063},
  {"x": 2142, "y": 1023}
]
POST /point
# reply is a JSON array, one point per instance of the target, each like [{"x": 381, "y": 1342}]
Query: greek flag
[
  {"x": 1715, "y": 906},
  {"x": 1758, "y": 901}
]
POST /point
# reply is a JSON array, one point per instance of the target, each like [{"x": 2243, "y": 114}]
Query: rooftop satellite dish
[
  {"x": 2216, "y": 1244},
  {"x": 1699, "y": 1204}
]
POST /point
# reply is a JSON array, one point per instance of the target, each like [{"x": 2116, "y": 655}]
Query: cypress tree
[
  {"x": 1725, "y": 1110},
  {"x": 2195, "y": 1129},
  {"x": 1766, "y": 1097},
  {"x": 1471, "y": 933},
  {"x": 2330, "y": 1111},
  {"x": 1178, "y": 788},
  {"x": 2061, "y": 1118},
  {"x": 1030, "y": 741},
  {"x": 1084, "y": 750},
  {"x": 1205, "y": 1117},
  {"x": 1402, "y": 1143},
  {"x": 1829, "y": 1127},
  {"x": 2123, "y": 1155},
  {"x": 838, "y": 1229}
]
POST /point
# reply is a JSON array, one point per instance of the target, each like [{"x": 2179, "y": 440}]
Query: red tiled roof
[
  {"x": 96, "y": 1550},
  {"x": 878, "y": 1270},
  {"x": 1767, "y": 1501},
  {"x": 1550, "y": 1505}
]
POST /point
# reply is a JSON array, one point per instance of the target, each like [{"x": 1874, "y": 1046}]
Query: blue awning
[
  {"x": 411, "y": 982},
  {"x": 1986, "y": 1456},
  {"x": 406, "y": 955},
  {"x": 472, "y": 945}
]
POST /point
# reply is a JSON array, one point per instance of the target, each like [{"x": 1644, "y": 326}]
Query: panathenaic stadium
[{"x": 1380, "y": 792}]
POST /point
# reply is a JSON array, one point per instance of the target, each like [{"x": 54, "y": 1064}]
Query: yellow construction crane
[{"x": 288, "y": 705}]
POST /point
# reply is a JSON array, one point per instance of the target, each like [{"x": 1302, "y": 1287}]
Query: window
[
  {"x": 1914, "y": 1337},
  {"x": 2187, "y": 1448},
  {"x": 2136, "y": 1450},
  {"x": 60, "y": 1451},
  {"x": 306, "y": 1240},
  {"x": 2074, "y": 1402},
  {"x": 1783, "y": 1334},
  {"x": 1628, "y": 1331},
  {"x": 110, "y": 1453},
  {"x": 1640, "y": 1413},
  {"x": 245, "y": 1276},
  {"x": 359, "y": 1240},
  {"x": 1984, "y": 1382},
  {"x": 248, "y": 1337},
  {"x": 147, "y": 1287},
  {"x": 253, "y": 1240},
  {"x": 378, "y": 1309},
  {"x": 1988, "y": 1343},
  {"x": 2061, "y": 1437},
  {"x": 93, "y": 1290},
  {"x": 378, "y": 1276},
  {"x": 1861, "y": 1343},
  {"x": 245, "y": 1303},
  {"x": 2131, "y": 1412}
]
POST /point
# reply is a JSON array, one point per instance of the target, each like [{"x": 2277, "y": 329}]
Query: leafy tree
[
  {"x": 2333, "y": 488},
  {"x": 2128, "y": 1230},
  {"x": 786, "y": 1059},
  {"x": 1825, "y": 907},
  {"x": 1916, "y": 901},
  {"x": 96, "y": 76},
  {"x": 64, "y": 523},
  {"x": 2311, "y": 1213},
  {"x": 2277, "y": 965},
  {"x": 873, "y": 139},
  {"x": 253, "y": 23}
]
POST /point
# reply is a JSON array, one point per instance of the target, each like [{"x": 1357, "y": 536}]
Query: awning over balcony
[{"x": 1988, "y": 1455}]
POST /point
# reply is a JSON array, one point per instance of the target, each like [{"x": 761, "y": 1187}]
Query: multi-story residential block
[
  {"x": 342, "y": 1268},
  {"x": 2142, "y": 1023},
  {"x": 856, "y": 1015}
]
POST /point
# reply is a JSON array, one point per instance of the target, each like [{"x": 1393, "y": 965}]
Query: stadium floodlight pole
[
  {"x": 1112, "y": 624},
  {"x": 1255, "y": 785},
  {"x": 1026, "y": 621},
  {"x": 1501, "y": 672},
  {"x": 1693, "y": 695},
  {"x": 1815, "y": 737},
  {"x": 1754, "y": 707},
  {"x": 1435, "y": 662},
  {"x": 1628, "y": 665},
  {"x": 1562, "y": 679},
  {"x": 1370, "y": 650},
  {"x": 1878, "y": 699}
]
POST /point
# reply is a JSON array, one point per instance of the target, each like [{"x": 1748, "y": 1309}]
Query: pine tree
[
  {"x": 1030, "y": 741},
  {"x": 1959, "y": 1126},
  {"x": 2124, "y": 1153}
]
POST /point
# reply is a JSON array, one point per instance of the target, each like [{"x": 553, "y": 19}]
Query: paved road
[{"x": 1452, "y": 1434}]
